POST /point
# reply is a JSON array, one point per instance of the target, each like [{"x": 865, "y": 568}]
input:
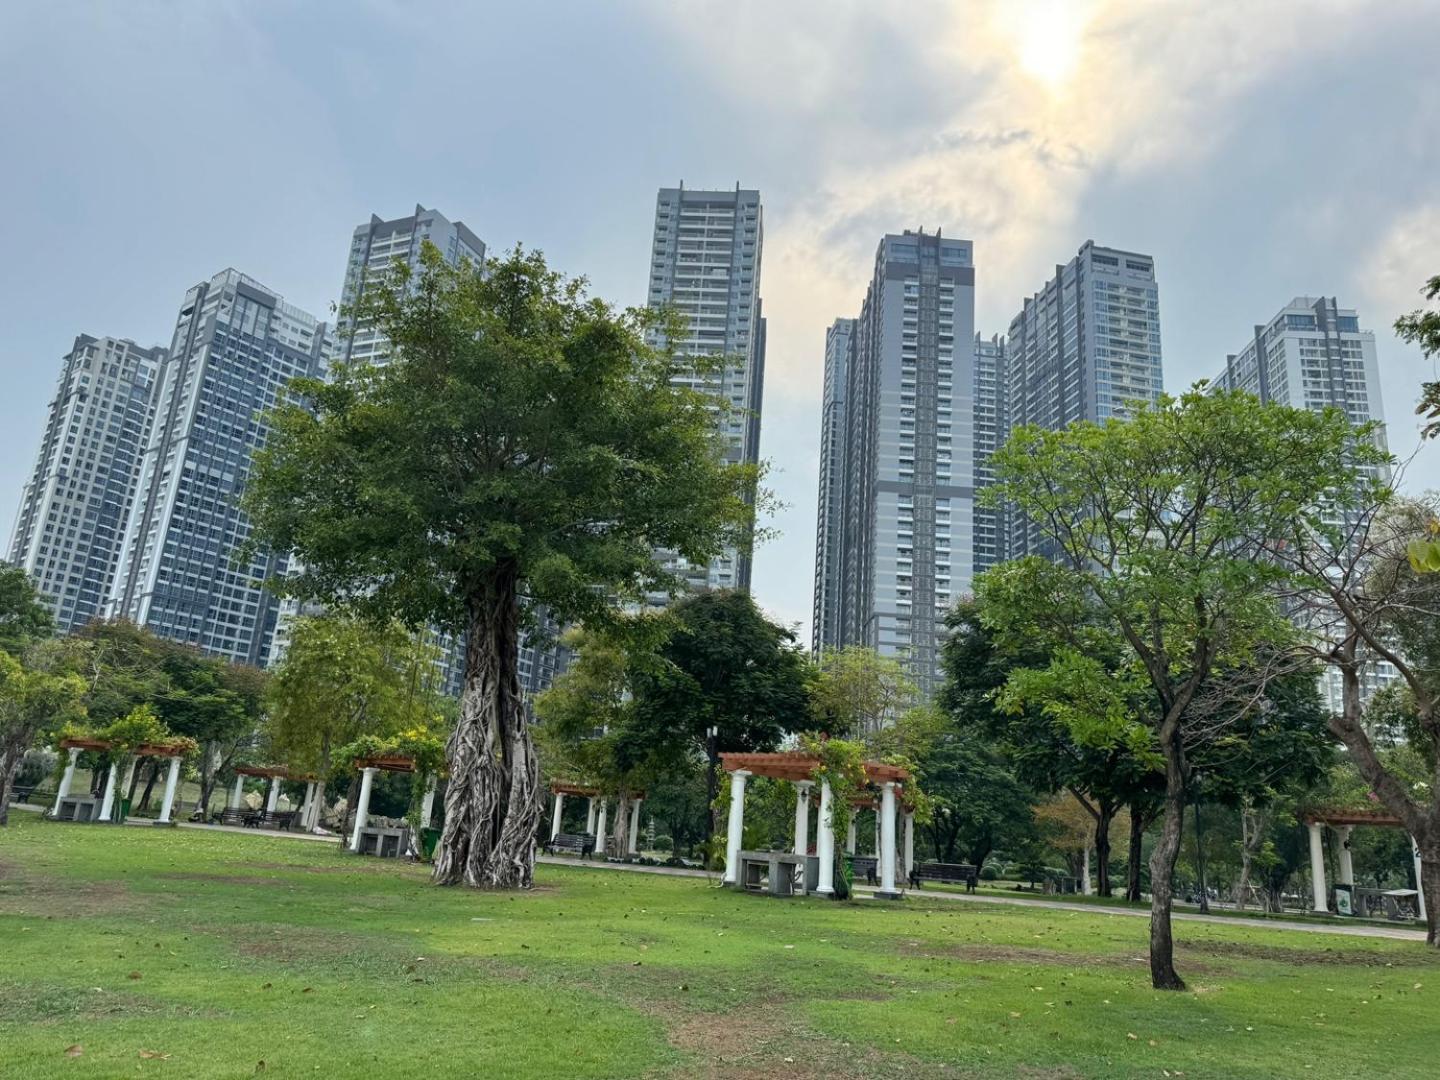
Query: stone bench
[{"x": 387, "y": 843}]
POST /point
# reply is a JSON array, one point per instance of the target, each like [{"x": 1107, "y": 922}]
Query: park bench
[
  {"x": 21, "y": 794},
  {"x": 581, "y": 844},
  {"x": 278, "y": 819},
  {"x": 949, "y": 873}
]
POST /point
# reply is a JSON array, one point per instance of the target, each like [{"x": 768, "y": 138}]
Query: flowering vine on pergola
[{"x": 800, "y": 768}]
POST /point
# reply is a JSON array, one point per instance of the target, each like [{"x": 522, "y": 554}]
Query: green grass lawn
[{"x": 226, "y": 955}]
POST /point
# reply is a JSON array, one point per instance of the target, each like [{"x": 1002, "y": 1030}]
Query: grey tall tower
[
  {"x": 374, "y": 247},
  {"x": 1312, "y": 354},
  {"x": 181, "y": 573},
  {"x": 705, "y": 263},
  {"x": 907, "y": 501},
  {"x": 74, "y": 506},
  {"x": 1081, "y": 348},
  {"x": 830, "y": 513},
  {"x": 992, "y": 427}
]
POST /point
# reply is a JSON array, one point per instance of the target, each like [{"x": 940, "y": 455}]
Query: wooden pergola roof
[
  {"x": 386, "y": 763},
  {"x": 567, "y": 787},
  {"x": 798, "y": 765},
  {"x": 146, "y": 750},
  {"x": 268, "y": 771},
  {"x": 1351, "y": 817}
]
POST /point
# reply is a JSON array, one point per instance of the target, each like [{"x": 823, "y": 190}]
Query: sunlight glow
[{"x": 1046, "y": 36}]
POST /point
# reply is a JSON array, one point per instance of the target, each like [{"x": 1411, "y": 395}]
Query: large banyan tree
[{"x": 525, "y": 447}]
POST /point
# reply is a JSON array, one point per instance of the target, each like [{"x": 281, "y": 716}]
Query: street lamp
[{"x": 712, "y": 742}]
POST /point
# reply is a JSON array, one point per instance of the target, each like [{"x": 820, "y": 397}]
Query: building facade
[
  {"x": 830, "y": 513},
  {"x": 183, "y": 570},
  {"x": 374, "y": 247},
  {"x": 1082, "y": 348},
  {"x": 992, "y": 427},
  {"x": 74, "y": 507},
  {"x": 705, "y": 265},
  {"x": 906, "y": 458},
  {"x": 1312, "y": 354}
]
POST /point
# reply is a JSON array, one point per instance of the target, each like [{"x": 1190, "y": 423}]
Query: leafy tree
[
  {"x": 721, "y": 664},
  {"x": 1362, "y": 601},
  {"x": 1422, "y": 327},
  {"x": 343, "y": 678},
  {"x": 23, "y": 617},
  {"x": 857, "y": 692},
  {"x": 525, "y": 447},
  {"x": 1165, "y": 524},
  {"x": 1040, "y": 747},
  {"x": 39, "y": 695}
]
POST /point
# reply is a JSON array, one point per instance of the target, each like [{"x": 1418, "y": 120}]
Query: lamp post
[{"x": 1200, "y": 847}]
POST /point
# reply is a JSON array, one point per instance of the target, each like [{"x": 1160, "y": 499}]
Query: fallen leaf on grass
[
  {"x": 133, "y": 975},
  {"x": 74, "y": 1051},
  {"x": 147, "y": 1054}
]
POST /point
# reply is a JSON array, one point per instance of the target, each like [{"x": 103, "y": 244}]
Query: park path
[
  {"x": 1394, "y": 933},
  {"x": 1397, "y": 933}
]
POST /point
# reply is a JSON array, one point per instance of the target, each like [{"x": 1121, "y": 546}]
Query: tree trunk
[
  {"x": 1136, "y": 853},
  {"x": 620, "y": 831},
  {"x": 493, "y": 802},
  {"x": 1163, "y": 975},
  {"x": 150, "y": 784},
  {"x": 134, "y": 783},
  {"x": 1102, "y": 847},
  {"x": 1252, "y": 835},
  {"x": 11, "y": 755}
]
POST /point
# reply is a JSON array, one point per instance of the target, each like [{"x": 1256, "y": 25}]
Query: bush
[
  {"x": 989, "y": 873},
  {"x": 664, "y": 843}
]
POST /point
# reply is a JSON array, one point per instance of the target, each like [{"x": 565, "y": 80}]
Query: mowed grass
[{"x": 193, "y": 954}]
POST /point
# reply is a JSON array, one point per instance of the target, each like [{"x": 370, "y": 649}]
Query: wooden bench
[
  {"x": 950, "y": 873},
  {"x": 581, "y": 844},
  {"x": 21, "y": 794},
  {"x": 278, "y": 819},
  {"x": 868, "y": 865}
]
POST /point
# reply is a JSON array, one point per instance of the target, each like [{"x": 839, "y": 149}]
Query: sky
[{"x": 1257, "y": 151}]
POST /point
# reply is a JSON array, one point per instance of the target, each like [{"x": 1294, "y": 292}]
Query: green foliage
[
  {"x": 139, "y": 727},
  {"x": 842, "y": 766},
  {"x": 343, "y": 678},
  {"x": 40, "y": 695},
  {"x": 529, "y": 431},
  {"x": 23, "y": 618},
  {"x": 856, "y": 691},
  {"x": 721, "y": 664},
  {"x": 1422, "y": 327}
]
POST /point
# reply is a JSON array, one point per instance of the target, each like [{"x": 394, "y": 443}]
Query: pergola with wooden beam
[
  {"x": 1344, "y": 822},
  {"x": 386, "y": 763},
  {"x": 596, "y": 812},
  {"x": 274, "y": 773},
  {"x": 64, "y": 800},
  {"x": 799, "y": 768}
]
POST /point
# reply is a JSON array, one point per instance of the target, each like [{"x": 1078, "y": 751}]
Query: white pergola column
[
  {"x": 107, "y": 797},
  {"x": 238, "y": 793},
  {"x": 555, "y": 817},
  {"x": 427, "y": 804},
  {"x": 887, "y": 841},
  {"x": 635, "y": 827},
  {"x": 171, "y": 780},
  {"x": 909, "y": 843},
  {"x": 1317, "y": 867},
  {"x": 1347, "y": 866},
  {"x": 274, "y": 798},
  {"x": 590, "y": 816},
  {"x": 850, "y": 835},
  {"x": 362, "y": 806},
  {"x": 878, "y": 827},
  {"x": 825, "y": 844},
  {"x": 600, "y": 824},
  {"x": 1419, "y": 881},
  {"x": 735, "y": 829},
  {"x": 802, "y": 817},
  {"x": 317, "y": 804},
  {"x": 308, "y": 803},
  {"x": 66, "y": 779}
]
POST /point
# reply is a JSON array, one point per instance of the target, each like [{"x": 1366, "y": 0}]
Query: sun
[{"x": 1046, "y": 37}]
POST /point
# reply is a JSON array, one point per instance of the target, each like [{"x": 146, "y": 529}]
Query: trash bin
[
  {"x": 1345, "y": 899},
  {"x": 124, "y": 809},
  {"x": 428, "y": 839}
]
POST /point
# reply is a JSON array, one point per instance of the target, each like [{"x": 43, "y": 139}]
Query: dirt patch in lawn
[
  {"x": 23, "y": 893},
  {"x": 28, "y": 1003},
  {"x": 765, "y": 1041},
  {"x": 1350, "y": 957}
]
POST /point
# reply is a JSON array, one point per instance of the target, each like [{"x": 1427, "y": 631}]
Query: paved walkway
[{"x": 1398, "y": 933}]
